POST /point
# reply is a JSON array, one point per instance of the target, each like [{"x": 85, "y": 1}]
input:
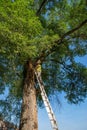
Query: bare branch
[{"x": 41, "y": 6}]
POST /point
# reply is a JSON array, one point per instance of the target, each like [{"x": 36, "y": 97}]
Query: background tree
[{"x": 51, "y": 31}]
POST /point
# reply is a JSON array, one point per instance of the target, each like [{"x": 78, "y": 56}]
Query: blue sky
[{"x": 69, "y": 117}]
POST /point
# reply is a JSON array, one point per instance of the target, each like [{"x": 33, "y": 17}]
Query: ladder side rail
[
  {"x": 47, "y": 104},
  {"x": 50, "y": 112},
  {"x": 43, "y": 93}
]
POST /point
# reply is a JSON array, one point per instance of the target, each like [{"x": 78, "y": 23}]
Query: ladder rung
[{"x": 47, "y": 103}]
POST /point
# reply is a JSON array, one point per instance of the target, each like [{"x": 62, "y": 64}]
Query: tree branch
[
  {"x": 60, "y": 41},
  {"x": 41, "y": 6},
  {"x": 73, "y": 30}
]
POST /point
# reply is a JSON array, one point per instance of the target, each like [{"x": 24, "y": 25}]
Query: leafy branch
[
  {"x": 74, "y": 29},
  {"x": 60, "y": 41}
]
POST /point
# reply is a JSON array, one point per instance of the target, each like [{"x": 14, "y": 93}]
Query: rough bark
[
  {"x": 5, "y": 125},
  {"x": 29, "y": 108}
]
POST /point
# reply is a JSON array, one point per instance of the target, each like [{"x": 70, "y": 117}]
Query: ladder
[{"x": 47, "y": 103}]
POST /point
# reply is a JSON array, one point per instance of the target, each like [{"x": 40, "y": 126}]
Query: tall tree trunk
[{"x": 29, "y": 107}]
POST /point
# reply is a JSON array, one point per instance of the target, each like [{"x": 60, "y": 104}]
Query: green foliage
[
  {"x": 24, "y": 36},
  {"x": 18, "y": 25}
]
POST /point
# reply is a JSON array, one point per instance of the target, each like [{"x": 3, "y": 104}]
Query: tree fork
[{"x": 28, "y": 119}]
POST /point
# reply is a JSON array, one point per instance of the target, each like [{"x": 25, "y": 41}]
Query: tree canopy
[{"x": 52, "y": 31}]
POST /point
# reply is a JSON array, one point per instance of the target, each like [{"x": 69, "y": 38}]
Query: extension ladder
[{"x": 47, "y": 103}]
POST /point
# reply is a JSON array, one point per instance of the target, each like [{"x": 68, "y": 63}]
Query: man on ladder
[
  {"x": 38, "y": 69},
  {"x": 44, "y": 96}
]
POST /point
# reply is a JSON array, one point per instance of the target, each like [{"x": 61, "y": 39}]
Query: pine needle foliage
[{"x": 53, "y": 31}]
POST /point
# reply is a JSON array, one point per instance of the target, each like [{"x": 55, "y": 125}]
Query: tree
[{"x": 53, "y": 32}]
